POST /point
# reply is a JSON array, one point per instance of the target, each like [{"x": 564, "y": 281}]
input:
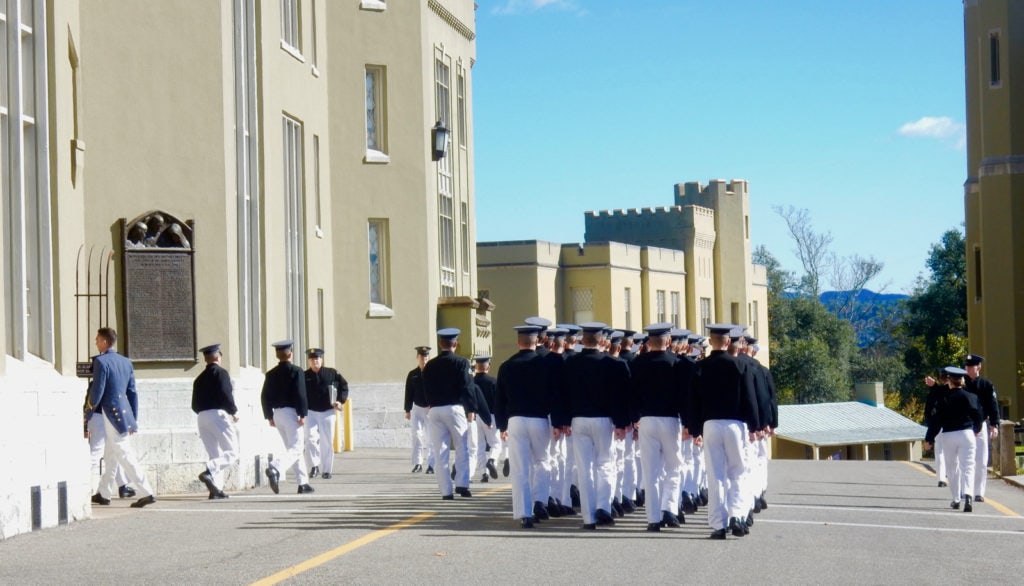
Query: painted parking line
[
  {"x": 888, "y": 527},
  {"x": 988, "y": 501},
  {"x": 341, "y": 550}
]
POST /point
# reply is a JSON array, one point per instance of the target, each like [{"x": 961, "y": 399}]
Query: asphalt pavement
[{"x": 374, "y": 522}]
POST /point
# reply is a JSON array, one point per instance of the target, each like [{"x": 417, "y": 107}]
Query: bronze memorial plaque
[{"x": 159, "y": 300}]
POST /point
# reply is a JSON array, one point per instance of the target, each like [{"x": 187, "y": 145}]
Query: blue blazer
[{"x": 113, "y": 390}]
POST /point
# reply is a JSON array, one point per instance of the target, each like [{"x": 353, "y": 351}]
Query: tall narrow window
[
  {"x": 582, "y": 304},
  {"x": 294, "y": 232},
  {"x": 705, "y": 313},
  {"x": 755, "y": 323},
  {"x": 675, "y": 309},
  {"x": 247, "y": 186},
  {"x": 291, "y": 26},
  {"x": 445, "y": 171},
  {"x": 993, "y": 50},
  {"x": 734, "y": 312},
  {"x": 627, "y": 300},
  {"x": 464, "y": 224},
  {"x": 25, "y": 181},
  {"x": 323, "y": 319},
  {"x": 378, "y": 247},
  {"x": 312, "y": 30},
  {"x": 977, "y": 274},
  {"x": 376, "y": 118},
  {"x": 460, "y": 90},
  {"x": 660, "y": 306},
  {"x": 316, "y": 185}
]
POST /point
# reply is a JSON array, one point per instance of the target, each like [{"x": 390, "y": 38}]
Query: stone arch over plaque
[{"x": 158, "y": 293}]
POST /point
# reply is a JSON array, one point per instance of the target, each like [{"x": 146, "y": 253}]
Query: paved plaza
[{"x": 375, "y": 523}]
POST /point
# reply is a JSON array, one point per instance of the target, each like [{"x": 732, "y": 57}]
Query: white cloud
[
  {"x": 938, "y": 127},
  {"x": 523, "y": 6}
]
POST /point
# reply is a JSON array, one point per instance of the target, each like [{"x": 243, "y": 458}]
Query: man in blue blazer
[{"x": 113, "y": 391}]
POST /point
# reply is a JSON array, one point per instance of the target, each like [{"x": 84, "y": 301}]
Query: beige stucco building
[
  {"x": 688, "y": 264},
  {"x": 994, "y": 192},
  {"x": 290, "y": 144}
]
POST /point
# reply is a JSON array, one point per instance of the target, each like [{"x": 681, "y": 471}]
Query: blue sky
[{"x": 851, "y": 109}]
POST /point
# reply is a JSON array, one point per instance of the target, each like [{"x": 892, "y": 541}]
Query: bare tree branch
[{"x": 811, "y": 247}]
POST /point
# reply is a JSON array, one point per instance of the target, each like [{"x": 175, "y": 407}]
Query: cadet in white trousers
[
  {"x": 961, "y": 423},
  {"x": 449, "y": 391},
  {"x": 326, "y": 392},
  {"x": 213, "y": 403},
  {"x": 97, "y": 434},
  {"x": 285, "y": 407},
  {"x": 416, "y": 413}
]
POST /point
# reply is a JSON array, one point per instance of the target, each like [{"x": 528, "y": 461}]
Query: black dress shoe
[
  {"x": 540, "y": 511},
  {"x": 314, "y": 472},
  {"x": 749, "y": 522},
  {"x": 589, "y": 526},
  {"x": 505, "y": 468},
  {"x": 654, "y": 527},
  {"x": 968, "y": 507},
  {"x": 704, "y": 497},
  {"x": 417, "y": 468},
  {"x": 757, "y": 504},
  {"x": 978, "y": 498},
  {"x": 448, "y": 497},
  {"x": 98, "y": 499},
  {"x": 617, "y": 510},
  {"x": 273, "y": 477},
  {"x": 526, "y": 523},
  {"x": 485, "y": 478},
  {"x": 736, "y": 526},
  {"x": 206, "y": 478},
  {"x": 689, "y": 507},
  {"x": 491, "y": 468},
  {"x": 603, "y": 517},
  {"x": 554, "y": 507},
  {"x": 125, "y": 492},
  {"x": 218, "y": 495},
  {"x": 628, "y": 506},
  {"x": 568, "y": 511},
  {"x": 146, "y": 500},
  {"x": 641, "y": 497},
  {"x": 717, "y": 534},
  {"x": 430, "y": 470},
  {"x": 305, "y": 489},
  {"x": 463, "y": 491},
  {"x": 574, "y": 496},
  {"x": 943, "y": 484},
  {"x": 764, "y": 503},
  {"x": 955, "y": 505},
  {"x": 669, "y": 520}
]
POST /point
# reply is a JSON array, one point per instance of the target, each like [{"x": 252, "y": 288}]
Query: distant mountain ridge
[
  {"x": 865, "y": 296},
  {"x": 867, "y": 313}
]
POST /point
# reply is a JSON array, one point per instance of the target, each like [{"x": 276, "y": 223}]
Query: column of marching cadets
[{"x": 594, "y": 422}]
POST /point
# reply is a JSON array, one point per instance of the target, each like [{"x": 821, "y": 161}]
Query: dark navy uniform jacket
[
  {"x": 724, "y": 389},
  {"x": 659, "y": 386},
  {"x": 593, "y": 384},
  {"x": 284, "y": 386},
  {"x": 414, "y": 391},
  {"x": 956, "y": 411},
  {"x": 318, "y": 388},
  {"x": 761, "y": 390},
  {"x": 212, "y": 390},
  {"x": 488, "y": 387},
  {"x": 985, "y": 391},
  {"x": 447, "y": 381},
  {"x": 524, "y": 388},
  {"x": 113, "y": 390}
]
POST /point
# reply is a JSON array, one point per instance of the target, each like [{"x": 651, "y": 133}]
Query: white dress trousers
[
  {"x": 488, "y": 445},
  {"x": 661, "y": 454},
  {"x": 940, "y": 459},
  {"x": 420, "y": 436},
  {"x": 97, "y": 438},
  {"x": 448, "y": 429},
  {"x": 981, "y": 461},
  {"x": 528, "y": 459},
  {"x": 117, "y": 451},
  {"x": 220, "y": 438},
  {"x": 724, "y": 447},
  {"x": 320, "y": 439},
  {"x": 286, "y": 421},
  {"x": 960, "y": 450},
  {"x": 592, "y": 443}
]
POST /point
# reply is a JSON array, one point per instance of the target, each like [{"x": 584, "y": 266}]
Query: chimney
[{"x": 870, "y": 394}]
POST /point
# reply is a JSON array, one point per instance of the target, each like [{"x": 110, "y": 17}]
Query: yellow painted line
[
  {"x": 995, "y": 505},
  {"x": 341, "y": 550},
  {"x": 496, "y": 490}
]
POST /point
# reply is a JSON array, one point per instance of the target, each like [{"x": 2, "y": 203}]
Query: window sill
[
  {"x": 374, "y": 5},
  {"x": 373, "y": 156},
  {"x": 292, "y": 51},
  {"x": 315, "y": 71},
  {"x": 378, "y": 310}
]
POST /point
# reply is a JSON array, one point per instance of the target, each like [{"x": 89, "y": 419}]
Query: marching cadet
[
  {"x": 560, "y": 486},
  {"x": 657, "y": 401},
  {"x": 488, "y": 443},
  {"x": 542, "y": 337},
  {"x": 416, "y": 413},
  {"x": 593, "y": 405},
  {"x": 626, "y": 351},
  {"x": 96, "y": 434},
  {"x": 213, "y": 402},
  {"x": 449, "y": 391},
  {"x": 988, "y": 403},
  {"x": 112, "y": 390},
  {"x": 769, "y": 415},
  {"x": 521, "y": 409},
  {"x": 571, "y": 339},
  {"x": 326, "y": 391},
  {"x": 723, "y": 402},
  {"x": 931, "y": 409},
  {"x": 758, "y": 460},
  {"x": 625, "y": 449},
  {"x": 961, "y": 422},
  {"x": 285, "y": 408}
]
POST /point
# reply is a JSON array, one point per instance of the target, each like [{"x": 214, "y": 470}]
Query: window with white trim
[
  {"x": 460, "y": 93},
  {"x": 291, "y": 25},
  {"x": 375, "y": 5},
  {"x": 582, "y": 304},
  {"x": 313, "y": 43},
  {"x": 380, "y": 294},
  {"x": 995, "y": 74},
  {"x": 464, "y": 224},
  {"x": 628, "y": 302},
  {"x": 247, "y": 186},
  {"x": 25, "y": 180},
  {"x": 295, "y": 298},
  {"x": 674, "y": 299},
  {"x": 376, "y": 114},
  {"x": 445, "y": 192},
  {"x": 316, "y": 187},
  {"x": 705, "y": 313},
  {"x": 660, "y": 306}
]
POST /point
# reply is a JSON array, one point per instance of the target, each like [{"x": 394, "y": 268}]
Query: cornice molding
[
  {"x": 1008, "y": 165},
  {"x": 452, "y": 21}
]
